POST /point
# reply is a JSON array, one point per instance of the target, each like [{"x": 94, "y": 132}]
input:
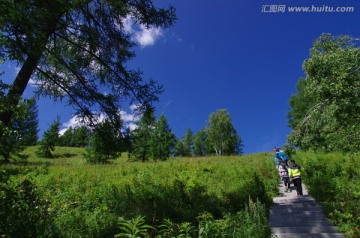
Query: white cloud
[
  {"x": 129, "y": 119},
  {"x": 128, "y": 23},
  {"x": 73, "y": 122},
  {"x": 148, "y": 36},
  {"x": 134, "y": 107},
  {"x": 132, "y": 126},
  {"x": 142, "y": 35}
]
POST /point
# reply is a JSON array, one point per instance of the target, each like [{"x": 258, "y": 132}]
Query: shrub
[
  {"x": 251, "y": 222},
  {"x": 23, "y": 211},
  {"x": 133, "y": 228},
  {"x": 333, "y": 179}
]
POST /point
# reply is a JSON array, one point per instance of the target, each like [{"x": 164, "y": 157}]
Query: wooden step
[{"x": 294, "y": 216}]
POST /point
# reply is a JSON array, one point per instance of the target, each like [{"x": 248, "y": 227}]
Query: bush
[
  {"x": 334, "y": 180},
  {"x": 23, "y": 211},
  {"x": 250, "y": 222}
]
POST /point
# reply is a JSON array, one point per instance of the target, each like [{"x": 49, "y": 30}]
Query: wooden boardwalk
[{"x": 294, "y": 216}]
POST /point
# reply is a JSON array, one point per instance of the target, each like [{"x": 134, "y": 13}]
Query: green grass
[{"x": 87, "y": 200}]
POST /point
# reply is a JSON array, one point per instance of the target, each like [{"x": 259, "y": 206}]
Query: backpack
[
  {"x": 284, "y": 172},
  {"x": 277, "y": 158},
  {"x": 285, "y": 158}
]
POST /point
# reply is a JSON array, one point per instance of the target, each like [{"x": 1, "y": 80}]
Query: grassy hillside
[{"x": 65, "y": 197}]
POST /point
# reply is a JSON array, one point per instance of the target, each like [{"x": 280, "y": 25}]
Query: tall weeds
[
  {"x": 87, "y": 200},
  {"x": 334, "y": 180}
]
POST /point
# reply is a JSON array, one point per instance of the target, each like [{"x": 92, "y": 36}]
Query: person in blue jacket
[
  {"x": 283, "y": 157},
  {"x": 277, "y": 157}
]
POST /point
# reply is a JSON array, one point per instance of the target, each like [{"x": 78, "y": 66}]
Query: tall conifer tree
[
  {"x": 22, "y": 130},
  {"x": 188, "y": 143},
  {"x": 141, "y": 137},
  {"x": 162, "y": 141},
  {"x": 30, "y": 124},
  {"x": 50, "y": 140},
  {"x": 104, "y": 143}
]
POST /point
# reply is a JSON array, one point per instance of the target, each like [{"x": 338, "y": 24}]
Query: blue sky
[{"x": 243, "y": 56}]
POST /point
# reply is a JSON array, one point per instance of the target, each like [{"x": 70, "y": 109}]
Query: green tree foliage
[
  {"x": 6, "y": 131},
  {"x": 104, "y": 144},
  {"x": 81, "y": 136},
  {"x": 188, "y": 143},
  {"x": 201, "y": 145},
  {"x": 222, "y": 136},
  {"x": 184, "y": 147},
  {"x": 141, "y": 136},
  {"x": 22, "y": 130},
  {"x": 50, "y": 140},
  {"x": 10, "y": 139},
  {"x": 75, "y": 50},
  {"x": 325, "y": 111},
  {"x": 30, "y": 124},
  {"x": 179, "y": 149},
  {"x": 162, "y": 140},
  {"x": 300, "y": 104},
  {"x": 75, "y": 137},
  {"x": 67, "y": 139},
  {"x": 151, "y": 139},
  {"x": 126, "y": 140}
]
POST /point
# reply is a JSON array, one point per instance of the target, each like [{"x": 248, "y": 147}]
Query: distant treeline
[{"x": 150, "y": 140}]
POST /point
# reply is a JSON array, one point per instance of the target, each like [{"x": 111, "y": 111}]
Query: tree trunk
[
  {"x": 19, "y": 86},
  {"x": 17, "y": 89},
  {"x": 216, "y": 151}
]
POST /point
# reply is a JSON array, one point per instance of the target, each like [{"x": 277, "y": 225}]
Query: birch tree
[
  {"x": 325, "y": 111},
  {"x": 222, "y": 136}
]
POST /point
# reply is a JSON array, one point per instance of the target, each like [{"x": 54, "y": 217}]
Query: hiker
[
  {"x": 277, "y": 158},
  {"x": 284, "y": 175},
  {"x": 283, "y": 157},
  {"x": 295, "y": 174}
]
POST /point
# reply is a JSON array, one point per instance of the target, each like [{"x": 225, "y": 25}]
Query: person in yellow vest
[{"x": 295, "y": 174}]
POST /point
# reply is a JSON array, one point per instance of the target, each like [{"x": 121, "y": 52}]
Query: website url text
[{"x": 308, "y": 9}]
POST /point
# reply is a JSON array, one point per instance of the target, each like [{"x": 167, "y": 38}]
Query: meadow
[{"x": 180, "y": 197}]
